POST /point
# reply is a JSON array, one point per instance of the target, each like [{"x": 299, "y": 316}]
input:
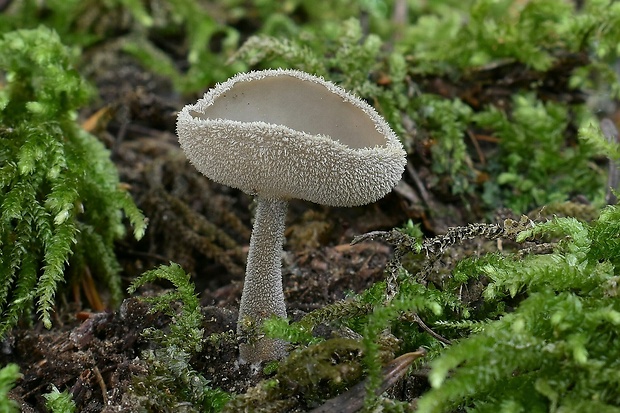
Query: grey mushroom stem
[{"x": 262, "y": 292}]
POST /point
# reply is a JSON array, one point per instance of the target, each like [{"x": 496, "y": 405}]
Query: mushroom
[{"x": 283, "y": 134}]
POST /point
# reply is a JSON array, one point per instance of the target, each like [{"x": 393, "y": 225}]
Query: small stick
[
  {"x": 414, "y": 317},
  {"x": 104, "y": 389}
]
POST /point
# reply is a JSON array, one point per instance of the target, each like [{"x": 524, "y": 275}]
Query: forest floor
[{"x": 93, "y": 350}]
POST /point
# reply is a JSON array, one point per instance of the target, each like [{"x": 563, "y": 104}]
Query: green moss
[
  {"x": 447, "y": 122},
  {"x": 532, "y": 33},
  {"x": 537, "y": 164},
  {"x": 59, "y": 402},
  {"x": 306, "y": 377},
  {"x": 171, "y": 382},
  {"x": 557, "y": 349},
  {"x": 84, "y": 23},
  {"x": 60, "y": 197},
  {"x": 9, "y": 374}
]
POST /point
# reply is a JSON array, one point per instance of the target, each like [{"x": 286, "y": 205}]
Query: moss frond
[
  {"x": 537, "y": 166},
  {"x": 57, "y": 251},
  {"x": 59, "y": 402},
  {"x": 171, "y": 381},
  {"x": 9, "y": 374},
  {"x": 559, "y": 347},
  {"x": 605, "y": 235},
  {"x": 186, "y": 331},
  {"x": 60, "y": 200},
  {"x": 448, "y": 119}
]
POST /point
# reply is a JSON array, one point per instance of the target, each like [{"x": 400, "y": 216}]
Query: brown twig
[
  {"x": 418, "y": 321},
  {"x": 101, "y": 382},
  {"x": 419, "y": 184},
  {"x": 474, "y": 140}
]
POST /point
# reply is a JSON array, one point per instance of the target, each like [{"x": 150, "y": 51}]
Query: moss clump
[
  {"x": 170, "y": 382},
  {"x": 59, "y": 402},
  {"x": 558, "y": 350},
  {"x": 306, "y": 377},
  {"x": 61, "y": 201}
]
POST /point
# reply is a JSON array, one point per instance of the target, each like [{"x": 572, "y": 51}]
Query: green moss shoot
[{"x": 61, "y": 203}]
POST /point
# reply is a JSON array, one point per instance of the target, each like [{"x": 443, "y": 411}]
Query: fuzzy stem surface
[{"x": 262, "y": 295}]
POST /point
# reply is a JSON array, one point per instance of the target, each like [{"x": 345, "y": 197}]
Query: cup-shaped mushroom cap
[{"x": 287, "y": 134}]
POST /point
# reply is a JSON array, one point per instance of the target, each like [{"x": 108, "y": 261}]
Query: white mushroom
[{"x": 283, "y": 134}]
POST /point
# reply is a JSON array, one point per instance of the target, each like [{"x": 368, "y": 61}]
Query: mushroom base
[
  {"x": 265, "y": 349},
  {"x": 262, "y": 296}
]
